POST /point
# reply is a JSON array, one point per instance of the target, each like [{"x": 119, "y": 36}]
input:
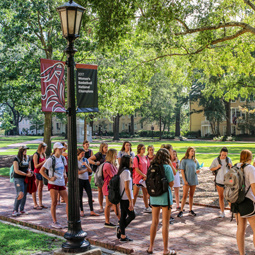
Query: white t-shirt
[
  {"x": 84, "y": 176},
  {"x": 126, "y": 176},
  {"x": 222, "y": 171},
  {"x": 59, "y": 170},
  {"x": 249, "y": 175}
]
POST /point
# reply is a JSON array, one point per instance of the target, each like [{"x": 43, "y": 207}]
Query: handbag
[{"x": 246, "y": 208}]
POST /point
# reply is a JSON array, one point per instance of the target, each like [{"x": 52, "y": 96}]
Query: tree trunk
[
  {"x": 228, "y": 116},
  {"x": 178, "y": 121},
  {"x": 85, "y": 129},
  {"x": 132, "y": 125},
  {"x": 160, "y": 128},
  {"x": 66, "y": 132},
  {"x": 116, "y": 128},
  {"x": 47, "y": 132},
  {"x": 218, "y": 127}
]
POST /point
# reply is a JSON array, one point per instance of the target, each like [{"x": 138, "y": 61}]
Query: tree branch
[
  {"x": 228, "y": 24},
  {"x": 250, "y": 4},
  {"x": 183, "y": 23}
]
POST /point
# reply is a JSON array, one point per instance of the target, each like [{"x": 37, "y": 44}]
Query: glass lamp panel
[
  {"x": 71, "y": 20},
  {"x": 78, "y": 22},
  {"x": 64, "y": 22}
]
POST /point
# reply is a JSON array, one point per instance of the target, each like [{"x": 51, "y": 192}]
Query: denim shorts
[{"x": 38, "y": 176}]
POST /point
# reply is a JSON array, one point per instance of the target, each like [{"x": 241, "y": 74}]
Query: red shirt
[{"x": 37, "y": 170}]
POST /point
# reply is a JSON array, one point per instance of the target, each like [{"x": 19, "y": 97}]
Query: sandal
[
  {"x": 44, "y": 207},
  {"x": 170, "y": 252},
  {"x": 37, "y": 207},
  {"x": 149, "y": 252},
  {"x": 94, "y": 214}
]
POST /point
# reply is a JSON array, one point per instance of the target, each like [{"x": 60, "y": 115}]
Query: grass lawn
[
  {"x": 7, "y": 140},
  {"x": 4, "y": 171},
  {"x": 15, "y": 240}
]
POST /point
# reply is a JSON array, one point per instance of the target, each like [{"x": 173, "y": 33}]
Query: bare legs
[
  {"x": 165, "y": 226},
  {"x": 39, "y": 185},
  {"x": 186, "y": 189},
  {"x": 145, "y": 195},
  {"x": 177, "y": 196},
  {"x": 108, "y": 209},
  {"x": 221, "y": 198},
  {"x": 100, "y": 199}
]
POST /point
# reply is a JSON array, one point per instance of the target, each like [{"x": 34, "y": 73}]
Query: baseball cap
[
  {"x": 58, "y": 145},
  {"x": 24, "y": 147}
]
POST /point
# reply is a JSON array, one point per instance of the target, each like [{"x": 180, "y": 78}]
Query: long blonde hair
[
  {"x": 186, "y": 156},
  {"x": 40, "y": 147},
  {"x": 245, "y": 156},
  {"x": 110, "y": 156}
]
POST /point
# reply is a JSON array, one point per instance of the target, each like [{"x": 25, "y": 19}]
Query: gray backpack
[
  {"x": 99, "y": 177},
  {"x": 234, "y": 182}
]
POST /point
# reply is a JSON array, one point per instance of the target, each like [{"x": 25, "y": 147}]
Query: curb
[{"x": 61, "y": 233}]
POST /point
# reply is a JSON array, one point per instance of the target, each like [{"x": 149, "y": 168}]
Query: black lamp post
[{"x": 71, "y": 16}]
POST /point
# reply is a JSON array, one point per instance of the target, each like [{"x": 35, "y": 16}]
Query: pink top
[
  {"x": 37, "y": 170},
  {"x": 109, "y": 171},
  {"x": 144, "y": 164}
]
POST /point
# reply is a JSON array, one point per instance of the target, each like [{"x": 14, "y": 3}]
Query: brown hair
[
  {"x": 102, "y": 145},
  {"x": 162, "y": 157},
  {"x": 110, "y": 156},
  {"x": 40, "y": 147},
  {"x": 168, "y": 147},
  {"x": 20, "y": 154},
  {"x": 123, "y": 146},
  {"x": 186, "y": 156},
  {"x": 85, "y": 141},
  {"x": 139, "y": 147},
  {"x": 79, "y": 151},
  {"x": 149, "y": 146},
  {"x": 245, "y": 156}
]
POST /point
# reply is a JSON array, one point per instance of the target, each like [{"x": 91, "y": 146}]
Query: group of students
[{"x": 132, "y": 170}]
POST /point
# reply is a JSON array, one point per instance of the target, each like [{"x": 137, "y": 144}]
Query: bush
[
  {"x": 192, "y": 134},
  {"x": 148, "y": 133}
]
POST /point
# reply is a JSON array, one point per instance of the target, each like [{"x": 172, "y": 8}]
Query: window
[
  {"x": 123, "y": 126},
  {"x": 135, "y": 126},
  {"x": 141, "y": 125},
  {"x": 58, "y": 126}
]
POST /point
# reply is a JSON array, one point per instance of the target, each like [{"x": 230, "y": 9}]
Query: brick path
[{"x": 204, "y": 235}]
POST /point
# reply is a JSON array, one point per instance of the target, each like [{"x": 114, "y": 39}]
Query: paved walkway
[
  {"x": 16, "y": 145},
  {"x": 204, "y": 235}
]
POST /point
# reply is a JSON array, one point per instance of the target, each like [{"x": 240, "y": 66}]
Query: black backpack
[
  {"x": 114, "y": 195},
  {"x": 156, "y": 182},
  {"x": 32, "y": 161}
]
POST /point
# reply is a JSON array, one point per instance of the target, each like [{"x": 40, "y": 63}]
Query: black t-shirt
[
  {"x": 23, "y": 167},
  {"x": 88, "y": 153},
  {"x": 100, "y": 157}
]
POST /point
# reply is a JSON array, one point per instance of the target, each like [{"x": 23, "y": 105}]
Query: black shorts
[
  {"x": 138, "y": 185},
  {"x": 220, "y": 185}
]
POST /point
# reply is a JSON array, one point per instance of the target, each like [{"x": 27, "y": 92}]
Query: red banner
[{"x": 53, "y": 85}]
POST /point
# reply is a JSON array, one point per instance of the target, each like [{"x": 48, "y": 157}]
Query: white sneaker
[
  {"x": 147, "y": 210},
  {"x": 24, "y": 212},
  {"x": 221, "y": 215},
  {"x": 56, "y": 225},
  {"x": 15, "y": 214}
]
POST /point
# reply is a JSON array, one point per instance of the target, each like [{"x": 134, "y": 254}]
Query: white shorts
[{"x": 177, "y": 182}]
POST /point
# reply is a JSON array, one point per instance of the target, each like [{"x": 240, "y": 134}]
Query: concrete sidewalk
[{"x": 204, "y": 234}]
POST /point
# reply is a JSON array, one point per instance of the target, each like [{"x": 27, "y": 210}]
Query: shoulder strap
[
  {"x": 90, "y": 152},
  {"x": 63, "y": 160},
  {"x": 219, "y": 160},
  {"x": 53, "y": 164},
  {"x": 38, "y": 156},
  {"x": 137, "y": 159}
]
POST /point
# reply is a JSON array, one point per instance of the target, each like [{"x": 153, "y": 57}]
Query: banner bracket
[{"x": 68, "y": 111}]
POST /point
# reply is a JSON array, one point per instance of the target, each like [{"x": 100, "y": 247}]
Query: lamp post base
[
  {"x": 93, "y": 251},
  {"x": 75, "y": 242},
  {"x": 75, "y": 247}
]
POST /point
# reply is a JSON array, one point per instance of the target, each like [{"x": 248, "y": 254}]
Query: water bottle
[{"x": 83, "y": 160}]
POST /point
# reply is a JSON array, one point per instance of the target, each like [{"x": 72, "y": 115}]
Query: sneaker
[
  {"x": 24, "y": 212},
  {"x": 180, "y": 214},
  {"x": 56, "y": 225},
  {"x": 221, "y": 215},
  {"x": 178, "y": 208},
  {"x": 147, "y": 210},
  {"x": 171, "y": 218},
  {"x": 191, "y": 213},
  {"x": 118, "y": 232},
  {"x": 15, "y": 214},
  {"x": 126, "y": 239},
  {"x": 110, "y": 225}
]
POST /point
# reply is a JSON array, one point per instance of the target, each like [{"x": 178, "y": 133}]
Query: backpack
[
  {"x": 45, "y": 181},
  {"x": 99, "y": 177},
  {"x": 156, "y": 182},
  {"x": 11, "y": 173},
  {"x": 114, "y": 195},
  {"x": 32, "y": 161},
  {"x": 234, "y": 181}
]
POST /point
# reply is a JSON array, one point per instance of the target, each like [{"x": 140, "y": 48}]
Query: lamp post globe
[{"x": 71, "y": 15}]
